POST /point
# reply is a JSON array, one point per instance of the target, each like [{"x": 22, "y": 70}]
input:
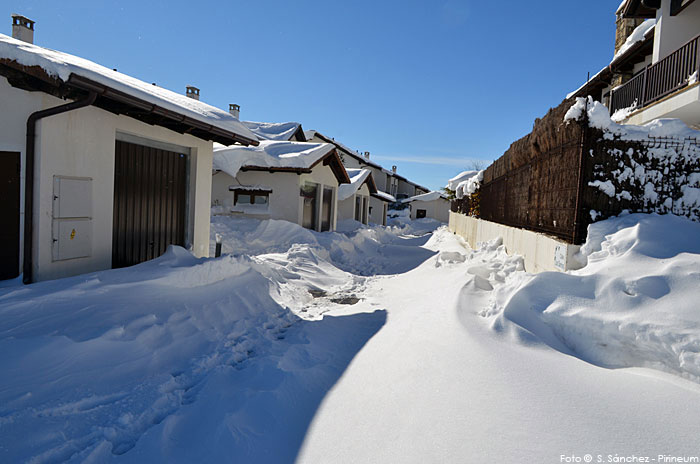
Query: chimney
[
  {"x": 192, "y": 92},
  {"x": 393, "y": 169},
  {"x": 235, "y": 110},
  {"x": 366, "y": 155},
  {"x": 22, "y": 28}
]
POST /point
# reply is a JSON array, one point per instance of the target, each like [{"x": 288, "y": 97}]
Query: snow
[
  {"x": 385, "y": 196},
  {"x": 619, "y": 8},
  {"x": 61, "y": 65},
  {"x": 379, "y": 344},
  {"x": 459, "y": 178},
  {"x": 357, "y": 178},
  {"x": 606, "y": 187},
  {"x": 633, "y": 305},
  {"x": 599, "y": 117},
  {"x": 636, "y": 36},
  {"x": 283, "y": 131},
  {"x": 470, "y": 185},
  {"x": 256, "y": 187},
  {"x": 430, "y": 196},
  {"x": 269, "y": 154}
]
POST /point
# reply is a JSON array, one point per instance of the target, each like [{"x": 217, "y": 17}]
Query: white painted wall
[
  {"x": 437, "y": 209},
  {"x": 683, "y": 104},
  {"x": 377, "y": 212},
  {"x": 81, "y": 143},
  {"x": 674, "y": 31},
  {"x": 346, "y": 208},
  {"x": 285, "y": 201},
  {"x": 538, "y": 250}
]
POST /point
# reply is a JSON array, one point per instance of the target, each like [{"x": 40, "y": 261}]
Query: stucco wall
[
  {"x": 285, "y": 200},
  {"x": 437, "y": 209},
  {"x": 81, "y": 143},
  {"x": 674, "y": 31},
  {"x": 538, "y": 250},
  {"x": 377, "y": 214},
  {"x": 346, "y": 208}
]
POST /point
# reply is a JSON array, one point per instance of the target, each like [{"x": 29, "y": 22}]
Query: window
[
  {"x": 420, "y": 213},
  {"x": 327, "y": 209},
  {"x": 256, "y": 198},
  {"x": 364, "y": 210},
  {"x": 358, "y": 208}
]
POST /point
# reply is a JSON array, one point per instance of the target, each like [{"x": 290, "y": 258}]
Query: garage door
[
  {"x": 150, "y": 202},
  {"x": 9, "y": 211}
]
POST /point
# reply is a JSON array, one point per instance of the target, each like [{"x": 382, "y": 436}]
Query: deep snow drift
[
  {"x": 371, "y": 344},
  {"x": 635, "y": 304}
]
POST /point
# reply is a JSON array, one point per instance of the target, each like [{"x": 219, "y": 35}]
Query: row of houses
[{"x": 101, "y": 170}]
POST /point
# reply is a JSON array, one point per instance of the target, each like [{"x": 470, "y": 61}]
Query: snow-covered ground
[{"x": 373, "y": 344}]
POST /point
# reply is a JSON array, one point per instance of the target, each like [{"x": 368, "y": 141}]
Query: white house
[
  {"x": 655, "y": 70},
  {"x": 353, "y": 160},
  {"x": 99, "y": 169},
  {"x": 294, "y": 181},
  {"x": 433, "y": 205},
  {"x": 354, "y": 198}
]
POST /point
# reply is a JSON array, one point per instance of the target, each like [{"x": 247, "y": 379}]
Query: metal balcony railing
[{"x": 659, "y": 79}]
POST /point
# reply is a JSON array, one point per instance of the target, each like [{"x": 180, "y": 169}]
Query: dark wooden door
[
  {"x": 150, "y": 202},
  {"x": 9, "y": 212}
]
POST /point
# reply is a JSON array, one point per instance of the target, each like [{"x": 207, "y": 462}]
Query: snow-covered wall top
[
  {"x": 462, "y": 176},
  {"x": 270, "y": 154},
  {"x": 283, "y": 131},
  {"x": 61, "y": 65},
  {"x": 357, "y": 178},
  {"x": 469, "y": 185}
]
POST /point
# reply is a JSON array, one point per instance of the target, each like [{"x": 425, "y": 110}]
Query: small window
[
  {"x": 258, "y": 198},
  {"x": 420, "y": 213}
]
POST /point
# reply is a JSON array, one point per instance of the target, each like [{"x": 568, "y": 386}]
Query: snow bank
[
  {"x": 269, "y": 154},
  {"x": 633, "y": 305},
  {"x": 62, "y": 65},
  {"x": 280, "y": 131},
  {"x": 357, "y": 178},
  {"x": 361, "y": 250}
]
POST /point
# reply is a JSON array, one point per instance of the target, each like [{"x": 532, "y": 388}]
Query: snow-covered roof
[
  {"x": 310, "y": 134},
  {"x": 384, "y": 196},
  {"x": 430, "y": 196},
  {"x": 62, "y": 68},
  {"x": 462, "y": 176},
  {"x": 357, "y": 178},
  {"x": 277, "y": 156},
  {"x": 636, "y": 36},
  {"x": 641, "y": 33},
  {"x": 273, "y": 130}
]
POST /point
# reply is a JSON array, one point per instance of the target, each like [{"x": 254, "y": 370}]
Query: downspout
[{"x": 29, "y": 174}]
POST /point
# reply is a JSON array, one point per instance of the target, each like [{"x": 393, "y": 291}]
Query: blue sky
[{"x": 425, "y": 85}]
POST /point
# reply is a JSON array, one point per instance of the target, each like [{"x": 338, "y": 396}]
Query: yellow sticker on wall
[{"x": 72, "y": 234}]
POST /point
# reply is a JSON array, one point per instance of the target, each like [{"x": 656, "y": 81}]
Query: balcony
[{"x": 659, "y": 80}]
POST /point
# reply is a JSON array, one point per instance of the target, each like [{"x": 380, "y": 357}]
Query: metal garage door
[
  {"x": 150, "y": 202},
  {"x": 9, "y": 212}
]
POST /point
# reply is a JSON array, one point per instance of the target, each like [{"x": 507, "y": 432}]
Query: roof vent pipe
[
  {"x": 367, "y": 155},
  {"x": 235, "y": 110},
  {"x": 22, "y": 28},
  {"x": 192, "y": 92},
  {"x": 393, "y": 169}
]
